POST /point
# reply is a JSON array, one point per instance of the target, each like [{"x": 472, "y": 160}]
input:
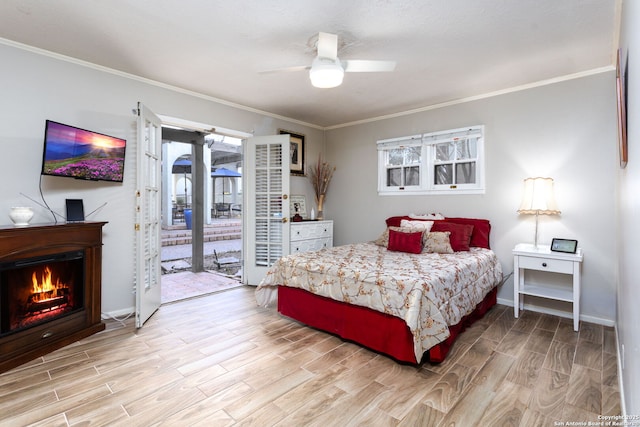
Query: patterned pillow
[
  {"x": 422, "y": 225},
  {"x": 437, "y": 242},
  {"x": 383, "y": 240}
]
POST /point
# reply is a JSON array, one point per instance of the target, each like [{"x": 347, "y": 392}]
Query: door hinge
[{"x": 137, "y": 227}]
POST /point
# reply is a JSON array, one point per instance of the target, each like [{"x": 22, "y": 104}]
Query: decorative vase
[
  {"x": 320, "y": 215},
  {"x": 21, "y": 215}
]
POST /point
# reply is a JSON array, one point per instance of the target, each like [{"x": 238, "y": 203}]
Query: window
[
  {"x": 402, "y": 159},
  {"x": 448, "y": 162}
]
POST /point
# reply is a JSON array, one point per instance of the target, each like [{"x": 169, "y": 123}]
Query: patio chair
[{"x": 223, "y": 209}]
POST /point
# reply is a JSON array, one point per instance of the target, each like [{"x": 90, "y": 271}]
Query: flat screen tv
[{"x": 78, "y": 153}]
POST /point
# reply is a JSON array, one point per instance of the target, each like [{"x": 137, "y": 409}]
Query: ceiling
[{"x": 445, "y": 49}]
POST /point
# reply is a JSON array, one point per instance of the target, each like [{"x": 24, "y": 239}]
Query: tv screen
[{"x": 78, "y": 153}]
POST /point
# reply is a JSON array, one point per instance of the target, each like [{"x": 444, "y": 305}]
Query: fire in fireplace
[{"x": 36, "y": 290}]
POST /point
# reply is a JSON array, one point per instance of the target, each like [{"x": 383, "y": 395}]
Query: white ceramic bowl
[{"x": 21, "y": 215}]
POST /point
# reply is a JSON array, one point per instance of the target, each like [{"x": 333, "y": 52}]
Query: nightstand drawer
[{"x": 545, "y": 264}]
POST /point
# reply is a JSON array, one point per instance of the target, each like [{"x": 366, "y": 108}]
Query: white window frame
[
  {"x": 427, "y": 142},
  {"x": 387, "y": 145}
]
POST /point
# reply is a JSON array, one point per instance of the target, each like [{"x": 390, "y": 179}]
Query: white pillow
[
  {"x": 426, "y": 216},
  {"x": 421, "y": 225}
]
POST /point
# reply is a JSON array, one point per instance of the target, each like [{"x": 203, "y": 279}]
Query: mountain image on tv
[{"x": 82, "y": 154}]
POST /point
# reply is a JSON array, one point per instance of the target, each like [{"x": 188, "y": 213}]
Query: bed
[{"x": 404, "y": 301}]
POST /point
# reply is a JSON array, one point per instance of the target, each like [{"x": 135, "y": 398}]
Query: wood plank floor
[{"x": 219, "y": 360}]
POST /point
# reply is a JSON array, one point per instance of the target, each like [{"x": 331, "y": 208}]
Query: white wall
[
  {"x": 565, "y": 130},
  {"x": 35, "y": 87},
  {"x": 628, "y": 231}
]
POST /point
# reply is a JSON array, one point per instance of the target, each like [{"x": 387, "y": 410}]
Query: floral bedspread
[{"x": 429, "y": 291}]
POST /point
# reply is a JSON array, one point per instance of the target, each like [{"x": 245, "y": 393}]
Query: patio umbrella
[
  {"x": 225, "y": 173},
  {"x": 182, "y": 166}
]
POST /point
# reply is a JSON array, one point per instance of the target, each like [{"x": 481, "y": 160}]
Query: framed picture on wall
[
  {"x": 621, "y": 88},
  {"x": 296, "y": 152}
]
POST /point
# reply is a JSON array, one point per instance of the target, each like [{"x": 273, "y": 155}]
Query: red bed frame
[{"x": 378, "y": 331}]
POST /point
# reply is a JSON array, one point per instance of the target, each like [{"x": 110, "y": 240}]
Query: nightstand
[{"x": 541, "y": 258}]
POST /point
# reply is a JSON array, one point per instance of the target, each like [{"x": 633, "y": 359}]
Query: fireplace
[
  {"x": 50, "y": 282},
  {"x": 40, "y": 289}
]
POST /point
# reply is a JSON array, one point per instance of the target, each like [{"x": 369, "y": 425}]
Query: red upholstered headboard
[{"x": 479, "y": 236}]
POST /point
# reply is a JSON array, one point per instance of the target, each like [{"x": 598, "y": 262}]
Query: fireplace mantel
[{"x": 18, "y": 243}]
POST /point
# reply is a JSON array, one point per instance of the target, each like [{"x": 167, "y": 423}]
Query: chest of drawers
[{"x": 311, "y": 236}]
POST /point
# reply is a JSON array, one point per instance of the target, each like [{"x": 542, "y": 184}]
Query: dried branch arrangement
[{"x": 320, "y": 176}]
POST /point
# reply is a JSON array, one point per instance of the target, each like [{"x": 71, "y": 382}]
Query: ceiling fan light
[{"x": 325, "y": 74}]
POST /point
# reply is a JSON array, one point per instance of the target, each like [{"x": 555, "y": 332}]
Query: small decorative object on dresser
[
  {"x": 320, "y": 176},
  {"x": 541, "y": 258},
  {"x": 298, "y": 206},
  {"x": 21, "y": 215}
]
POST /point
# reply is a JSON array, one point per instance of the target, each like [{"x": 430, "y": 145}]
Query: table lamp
[{"x": 538, "y": 200}]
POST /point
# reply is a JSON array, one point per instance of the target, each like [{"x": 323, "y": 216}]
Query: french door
[
  {"x": 266, "y": 198},
  {"x": 148, "y": 214}
]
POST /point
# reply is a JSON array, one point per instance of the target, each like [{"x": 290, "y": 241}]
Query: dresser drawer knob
[{"x": 544, "y": 264}]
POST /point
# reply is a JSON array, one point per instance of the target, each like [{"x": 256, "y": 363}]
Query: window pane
[
  {"x": 466, "y": 149},
  {"x": 412, "y": 176},
  {"x": 444, "y": 151},
  {"x": 395, "y": 157},
  {"x": 394, "y": 177},
  {"x": 443, "y": 174},
  {"x": 413, "y": 155},
  {"x": 466, "y": 173}
]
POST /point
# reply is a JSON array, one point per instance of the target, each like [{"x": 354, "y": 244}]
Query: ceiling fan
[{"x": 327, "y": 70}]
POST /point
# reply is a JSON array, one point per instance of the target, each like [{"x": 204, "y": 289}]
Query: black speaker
[{"x": 75, "y": 210}]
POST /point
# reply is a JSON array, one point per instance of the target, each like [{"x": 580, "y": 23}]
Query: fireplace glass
[{"x": 38, "y": 290}]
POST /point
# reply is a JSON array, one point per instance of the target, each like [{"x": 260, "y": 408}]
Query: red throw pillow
[
  {"x": 460, "y": 237},
  {"x": 405, "y": 242},
  {"x": 481, "y": 230}
]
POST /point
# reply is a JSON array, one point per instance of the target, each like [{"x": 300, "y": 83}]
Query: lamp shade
[
  {"x": 326, "y": 73},
  {"x": 538, "y": 197}
]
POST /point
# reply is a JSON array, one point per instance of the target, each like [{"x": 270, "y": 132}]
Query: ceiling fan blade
[
  {"x": 327, "y": 45},
  {"x": 366, "y": 66},
  {"x": 286, "y": 69}
]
